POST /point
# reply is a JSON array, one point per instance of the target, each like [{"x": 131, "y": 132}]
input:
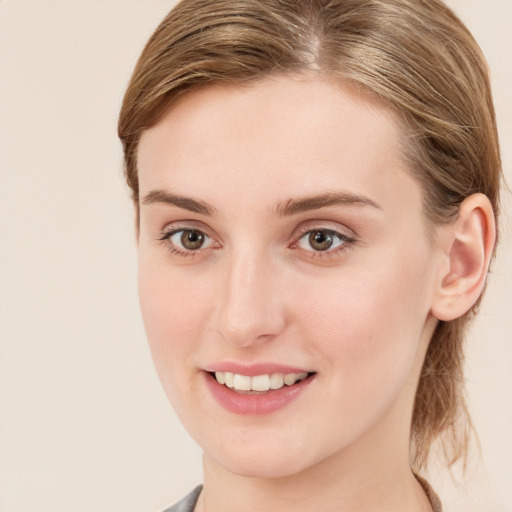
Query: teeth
[
  {"x": 276, "y": 381},
  {"x": 229, "y": 379},
  {"x": 259, "y": 382},
  {"x": 242, "y": 382},
  {"x": 289, "y": 379}
]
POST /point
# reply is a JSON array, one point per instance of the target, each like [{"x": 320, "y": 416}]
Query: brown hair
[{"x": 415, "y": 55}]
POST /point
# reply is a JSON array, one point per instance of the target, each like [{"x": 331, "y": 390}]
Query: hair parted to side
[{"x": 415, "y": 55}]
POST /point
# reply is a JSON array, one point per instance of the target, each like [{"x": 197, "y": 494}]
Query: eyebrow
[
  {"x": 186, "y": 203},
  {"x": 289, "y": 208},
  {"x": 294, "y": 206}
]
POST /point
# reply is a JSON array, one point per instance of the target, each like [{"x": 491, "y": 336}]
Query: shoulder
[{"x": 188, "y": 503}]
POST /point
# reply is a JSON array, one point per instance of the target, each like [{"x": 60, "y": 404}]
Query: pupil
[
  {"x": 320, "y": 240},
  {"x": 192, "y": 240}
]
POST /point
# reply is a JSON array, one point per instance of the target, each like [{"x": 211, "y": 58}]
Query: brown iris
[
  {"x": 321, "y": 240},
  {"x": 192, "y": 240}
]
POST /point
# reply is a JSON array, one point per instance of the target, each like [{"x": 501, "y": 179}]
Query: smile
[
  {"x": 258, "y": 383},
  {"x": 259, "y": 393}
]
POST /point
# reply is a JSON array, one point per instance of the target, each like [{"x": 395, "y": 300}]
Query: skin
[{"x": 359, "y": 315}]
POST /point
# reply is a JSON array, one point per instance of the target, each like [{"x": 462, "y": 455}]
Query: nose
[{"x": 250, "y": 309}]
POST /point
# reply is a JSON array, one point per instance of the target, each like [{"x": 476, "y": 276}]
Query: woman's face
[{"x": 282, "y": 245}]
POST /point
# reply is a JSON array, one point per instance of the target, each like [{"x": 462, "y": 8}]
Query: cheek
[
  {"x": 366, "y": 334},
  {"x": 369, "y": 323},
  {"x": 174, "y": 312}
]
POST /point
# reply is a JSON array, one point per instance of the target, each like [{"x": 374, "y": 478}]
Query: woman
[{"x": 316, "y": 186}]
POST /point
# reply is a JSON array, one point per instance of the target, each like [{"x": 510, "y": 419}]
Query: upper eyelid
[
  {"x": 327, "y": 230},
  {"x": 192, "y": 225},
  {"x": 166, "y": 234},
  {"x": 164, "y": 238},
  {"x": 344, "y": 238},
  {"x": 183, "y": 224},
  {"x": 171, "y": 232},
  {"x": 297, "y": 233},
  {"x": 324, "y": 225}
]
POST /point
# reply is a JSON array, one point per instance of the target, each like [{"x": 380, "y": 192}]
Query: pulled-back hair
[{"x": 416, "y": 56}]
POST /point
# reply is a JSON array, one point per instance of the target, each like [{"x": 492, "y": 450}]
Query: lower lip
[{"x": 258, "y": 403}]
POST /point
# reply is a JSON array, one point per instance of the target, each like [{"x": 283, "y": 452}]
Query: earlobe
[{"x": 468, "y": 249}]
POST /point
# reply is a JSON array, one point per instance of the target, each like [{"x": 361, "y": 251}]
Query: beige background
[{"x": 84, "y": 425}]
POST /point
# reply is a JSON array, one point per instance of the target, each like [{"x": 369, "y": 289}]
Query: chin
[
  {"x": 261, "y": 467},
  {"x": 279, "y": 459}
]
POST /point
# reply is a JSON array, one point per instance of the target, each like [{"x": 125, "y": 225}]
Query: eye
[
  {"x": 184, "y": 241},
  {"x": 322, "y": 240}
]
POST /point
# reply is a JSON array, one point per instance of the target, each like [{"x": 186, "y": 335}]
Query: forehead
[{"x": 286, "y": 134}]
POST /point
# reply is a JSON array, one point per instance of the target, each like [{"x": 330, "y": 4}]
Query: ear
[{"x": 467, "y": 246}]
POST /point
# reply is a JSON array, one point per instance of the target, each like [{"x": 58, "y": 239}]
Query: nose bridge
[{"x": 249, "y": 310}]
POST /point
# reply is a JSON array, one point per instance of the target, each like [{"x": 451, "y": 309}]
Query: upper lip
[{"x": 254, "y": 369}]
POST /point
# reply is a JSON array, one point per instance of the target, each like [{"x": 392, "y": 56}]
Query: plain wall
[{"x": 84, "y": 425}]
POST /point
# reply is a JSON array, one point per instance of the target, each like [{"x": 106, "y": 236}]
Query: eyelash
[
  {"x": 345, "y": 242},
  {"x": 166, "y": 235}
]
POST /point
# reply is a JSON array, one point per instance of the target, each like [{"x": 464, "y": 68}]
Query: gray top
[{"x": 188, "y": 503}]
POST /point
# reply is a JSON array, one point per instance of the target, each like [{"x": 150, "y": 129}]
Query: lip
[
  {"x": 253, "y": 369},
  {"x": 256, "y": 403}
]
